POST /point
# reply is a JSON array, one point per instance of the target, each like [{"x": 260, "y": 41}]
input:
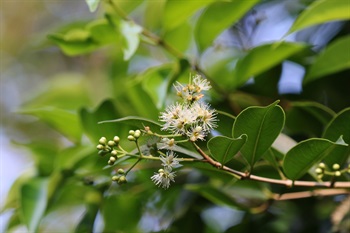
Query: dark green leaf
[
  {"x": 307, "y": 153},
  {"x": 92, "y": 4},
  {"x": 217, "y": 17},
  {"x": 339, "y": 126},
  {"x": 335, "y": 58},
  {"x": 33, "y": 202},
  {"x": 86, "y": 224},
  {"x": 224, "y": 148},
  {"x": 262, "y": 58},
  {"x": 262, "y": 125},
  {"x": 321, "y": 12},
  {"x": 65, "y": 122}
]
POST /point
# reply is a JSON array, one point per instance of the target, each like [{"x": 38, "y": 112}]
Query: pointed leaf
[
  {"x": 262, "y": 125},
  {"x": 335, "y": 58},
  {"x": 218, "y": 17},
  {"x": 307, "y": 153},
  {"x": 92, "y": 4},
  {"x": 339, "y": 126},
  {"x": 224, "y": 148},
  {"x": 33, "y": 202},
  {"x": 322, "y": 11},
  {"x": 65, "y": 122},
  {"x": 264, "y": 57},
  {"x": 130, "y": 38}
]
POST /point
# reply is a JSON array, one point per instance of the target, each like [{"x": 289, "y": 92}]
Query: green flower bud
[
  {"x": 114, "y": 153},
  {"x": 131, "y": 132},
  {"x": 111, "y": 143},
  {"x": 116, "y": 139},
  {"x": 115, "y": 178},
  {"x": 122, "y": 180},
  {"x": 111, "y": 162},
  {"x": 99, "y": 147},
  {"x": 121, "y": 171},
  {"x": 131, "y": 138},
  {"x": 103, "y": 141},
  {"x": 112, "y": 159},
  {"x": 318, "y": 170},
  {"x": 137, "y": 134},
  {"x": 335, "y": 166},
  {"x": 322, "y": 165},
  {"x": 102, "y": 153},
  {"x": 337, "y": 173}
]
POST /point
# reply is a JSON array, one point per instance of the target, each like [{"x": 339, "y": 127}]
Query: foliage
[{"x": 259, "y": 150}]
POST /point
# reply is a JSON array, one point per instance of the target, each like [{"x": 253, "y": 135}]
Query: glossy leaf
[
  {"x": 217, "y": 17},
  {"x": 307, "y": 153},
  {"x": 92, "y": 4},
  {"x": 65, "y": 122},
  {"x": 334, "y": 58},
  {"x": 177, "y": 12},
  {"x": 321, "y": 12},
  {"x": 33, "y": 202},
  {"x": 130, "y": 38},
  {"x": 339, "y": 126},
  {"x": 262, "y": 58},
  {"x": 262, "y": 125},
  {"x": 224, "y": 148}
]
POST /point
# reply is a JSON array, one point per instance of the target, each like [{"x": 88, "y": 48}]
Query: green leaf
[
  {"x": 339, "y": 126},
  {"x": 177, "y": 12},
  {"x": 153, "y": 12},
  {"x": 262, "y": 58},
  {"x": 103, "y": 32},
  {"x": 92, "y": 4},
  {"x": 65, "y": 122},
  {"x": 130, "y": 38},
  {"x": 334, "y": 58},
  {"x": 307, "y": 117},
  {"x": 86, "y": 224},
  {"x": 307, "y": 153},
  {"x": 213, "y": 194},
  {"x": 262, "y": 125},
  {"x": 223, "y": 148},
  {"x": 217, "y": 17},
  {"x": 33, "y": 202},
  {"x": 322, "y": 11}
]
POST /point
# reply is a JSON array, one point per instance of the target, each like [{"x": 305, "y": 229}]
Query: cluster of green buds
[
  {"x": 335, "y": 171},
  {"x": 121, "y": 177},
  {"x": 105, "y": 147},
  {"x": 134, "y": 135}
]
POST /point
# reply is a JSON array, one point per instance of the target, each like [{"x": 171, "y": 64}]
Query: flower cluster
[
  {"x": 191, "y": 118},
  {"x": 164, "y": 175}
]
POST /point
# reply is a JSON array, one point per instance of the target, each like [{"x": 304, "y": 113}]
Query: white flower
[
  {"x": 163, "y": 178},
  {"x": 169, "y": 161},
  {"x": 167, "y": 143},
  {"x": 196, "y": 133},
  {"x": 200, "y": 84},
  {"x": 205, "y": 115}
]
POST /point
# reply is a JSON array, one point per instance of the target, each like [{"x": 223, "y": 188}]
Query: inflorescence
[{"x": 191, "y": 118}]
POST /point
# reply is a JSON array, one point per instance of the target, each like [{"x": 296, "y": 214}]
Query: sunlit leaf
[
  {"x": 307, "y": 153},
  {"x": 33, "y": 202},
  {"x": 177, "y": 12},
  {"x": 262, "y": 125},
  {"x": 130, "y": 38},
  {"x": 65, "y": 122},
  {"x": 262, "y": 58},
  {"x": 224, "y": 148},
  {"x": 103, "y": 32},
  {"x": 92, "y": 4},
  {"x": 335, "y": 58},
  {"x": 217, "y": 17},
  {"x": 322, "y": 11}
]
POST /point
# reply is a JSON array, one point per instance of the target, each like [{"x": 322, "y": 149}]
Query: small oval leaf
[{"x": 224, "y": 148}]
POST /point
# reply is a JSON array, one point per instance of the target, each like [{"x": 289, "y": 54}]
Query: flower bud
[
  {"x": 111, "y": 143},
  {"x": 115, "y": 178},
  {"x": 335, "y": 166},
  {"x": 319, "y": 170},
  {"x": 112, "y": 159},
  {"x": 102, "y": 152},
  {"x": 103, "y": 140},
  {"x": 131, "y": 138},
  {"x": 322, "y": 165},
  {"x": 137, "y": 134},
  {"x": 116, "y": 139},
  {"x": 99, "y": 147},
  {"x": 121, "y": 171},
  {"x": 131, "y": 132},
  {"x": 122, "y": 180},
  {"x": 114, "y": 153},
  {"x": 337, "y": 173},
  {"x": 111, "y": 162}
]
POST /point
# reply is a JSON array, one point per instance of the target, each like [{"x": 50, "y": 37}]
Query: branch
[{"x": 288, "y": 183}]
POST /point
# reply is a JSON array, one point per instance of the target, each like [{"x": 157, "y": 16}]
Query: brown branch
[
  {"x": 305, "y": 194},
  {"x": 287, "y": 182}
]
